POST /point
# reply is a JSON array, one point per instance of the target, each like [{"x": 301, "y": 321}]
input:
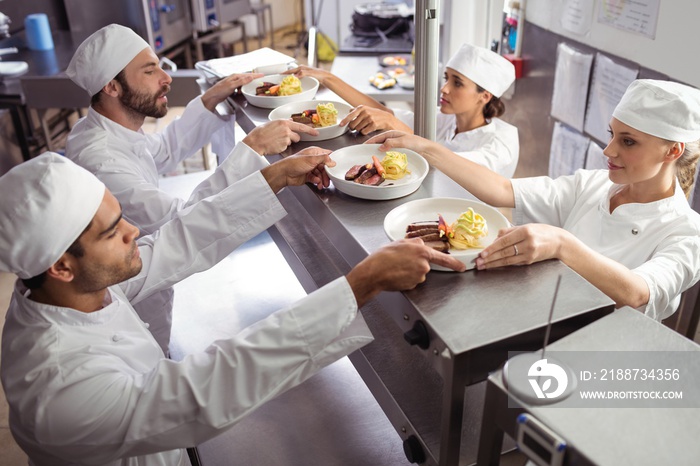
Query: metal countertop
[{"x": 473, "y": 319}]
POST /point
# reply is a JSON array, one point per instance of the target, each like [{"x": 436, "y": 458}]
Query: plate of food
[
  {"x": 394, "y": 60},
  {"x": 365, "y": 172},
  {"x": 277, "y": 89},
  {"x": 382, "y": 80},
  {"x": 323, "y": 115},
  {"x": 460, "y": 227}
]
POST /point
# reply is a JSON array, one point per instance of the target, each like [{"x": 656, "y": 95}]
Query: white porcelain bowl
[
  {"x": 309, "y": 87},
  {"x": 347, "y": 157},
  {"x": 421, "y": 210},
  {"x": 329, "y": 132}
]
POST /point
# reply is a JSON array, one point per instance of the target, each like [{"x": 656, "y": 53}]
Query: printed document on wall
[
  {"x": 637, "y": 16},
  {"x": 571, "y": 80},
  {"x": 577, "y": 16},
  {"x": 610, "y": 81},
  {"x": 567, "y": 152}
]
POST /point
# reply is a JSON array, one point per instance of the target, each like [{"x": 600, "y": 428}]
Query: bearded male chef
[
  {"x": 122, "y": 75},
  {"x": 87, "y": 383}
]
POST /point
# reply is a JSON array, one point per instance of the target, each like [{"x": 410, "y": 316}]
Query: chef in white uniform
[
  {"x": 122, "y": 75},
  {"x": 470, "y": 104},
  {"x": 628, "y": 230},
  {"x": 86, "y": 382}
]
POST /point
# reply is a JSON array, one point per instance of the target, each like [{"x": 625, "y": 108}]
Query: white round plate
[
  {"x": 329, "y": 132},
  {"x": 309, "y": 86},
  {"x": 420, "y": 210},
  {"x": 347, "y": 157}
]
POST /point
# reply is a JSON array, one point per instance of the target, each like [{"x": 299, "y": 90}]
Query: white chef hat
[
  {"x": 487, "y": 69},
  {"x": 664, "y": 109},
  {"x": 47, "y": 202},
  {"x": 103, "y": 55}
]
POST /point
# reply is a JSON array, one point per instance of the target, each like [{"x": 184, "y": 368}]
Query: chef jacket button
[
  {"x": 147, "y": 325},
  {"x": 635, "y": 231},
  {"x": 116, "y": 338}
]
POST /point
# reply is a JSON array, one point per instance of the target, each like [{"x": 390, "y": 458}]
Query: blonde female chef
[
  {"x": 628, "y": 230},
  {"x": 470, "y": 104}
]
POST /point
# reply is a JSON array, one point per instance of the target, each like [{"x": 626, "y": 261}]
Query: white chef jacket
[
  {"x": 94, "y": 388},
  {"x": 659, "y": 241},
  {"x": 130, "y": 163},
  {"x": 494, "y": 145}
]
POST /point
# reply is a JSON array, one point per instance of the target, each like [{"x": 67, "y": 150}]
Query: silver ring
[{"x": 516, "y": 249}]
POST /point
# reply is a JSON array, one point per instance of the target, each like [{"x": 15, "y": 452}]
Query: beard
[
  {"x": 142, "y": 103},
  {"x": 96, "y": 277}
]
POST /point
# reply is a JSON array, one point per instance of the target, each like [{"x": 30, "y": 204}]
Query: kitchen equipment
[
  {"x": 210, "y": 14},
  {"x": 285, "y": 112},
  {"x": 9, "y": 69},
  {"x": 164, "y": 24}
]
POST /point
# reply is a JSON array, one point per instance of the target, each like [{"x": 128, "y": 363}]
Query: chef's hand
[
  {"x": 303, "y": 70},
  {"x": 522, "y": 245},
  {"x": 275, "y": 136},
  {"x": 224, "y": 88},
  {"x": 392, "y": 139},
  {"x": 306, "y": 166},
  {"x": 400, "y": 265},
  {"x": 367, "y": 120}
]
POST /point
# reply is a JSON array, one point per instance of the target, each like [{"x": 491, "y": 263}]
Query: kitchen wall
[{"x": 672, "y": 52}]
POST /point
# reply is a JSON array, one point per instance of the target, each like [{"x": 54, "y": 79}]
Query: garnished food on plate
[
  {"x": 394, "y": 61},
  {"x": 290, "y": 85},
  {"x": 393, "y": 166},
  {"x": 397, "y": 72},
  {"x": 320, "y": 117},
  {"x": 464, "y": 233},
  {"x": 396, "y": 165},
  {"x": 382, "y": 81}
]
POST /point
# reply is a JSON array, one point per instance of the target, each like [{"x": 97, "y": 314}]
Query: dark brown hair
[{"x": 494, "y": 107}]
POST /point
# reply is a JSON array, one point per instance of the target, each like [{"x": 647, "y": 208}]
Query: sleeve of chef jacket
[
  {"x": 179, "y": 404},
  {"x": 542, "y": 199},
  {"x": 203, "y": 234},
  {"x": 673, "y": 268},
  {"x": 499, "y": 150},
  {"x": 496, "y": 155},
  {"x": 184, "y": 135},
  {"x": 148, "y": 207}
]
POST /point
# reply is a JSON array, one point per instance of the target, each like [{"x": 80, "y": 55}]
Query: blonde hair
[{"x": 686, "y": 166}]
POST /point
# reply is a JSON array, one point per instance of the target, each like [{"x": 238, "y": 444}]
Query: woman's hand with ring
[{"x": 521, "y": 245}]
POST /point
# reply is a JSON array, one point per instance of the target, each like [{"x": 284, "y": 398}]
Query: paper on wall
[
  {"x": 571, "y": 79},
  {"x": 609, "y": 83},
  {"x": 577, "y": 16},
  {"x": 567, "y": 152},
  {"x": 638, "y": 16}
]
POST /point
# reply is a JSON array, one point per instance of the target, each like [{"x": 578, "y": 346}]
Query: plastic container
[{"x": 38, "y": 32}]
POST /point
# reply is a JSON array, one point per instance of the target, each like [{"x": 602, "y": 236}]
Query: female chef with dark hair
[
  {"x": 468, "y": 123},
  {"x": 628, "y": 230}
]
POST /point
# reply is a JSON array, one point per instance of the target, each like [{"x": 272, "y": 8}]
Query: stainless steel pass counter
[{"x": 460, "y": 326}]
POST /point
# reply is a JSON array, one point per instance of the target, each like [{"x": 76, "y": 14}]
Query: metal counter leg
[
  {"x": 491, "y": 436},
  {"x": 452, "y": 416},
  {"x": 194, "y": 456}
]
